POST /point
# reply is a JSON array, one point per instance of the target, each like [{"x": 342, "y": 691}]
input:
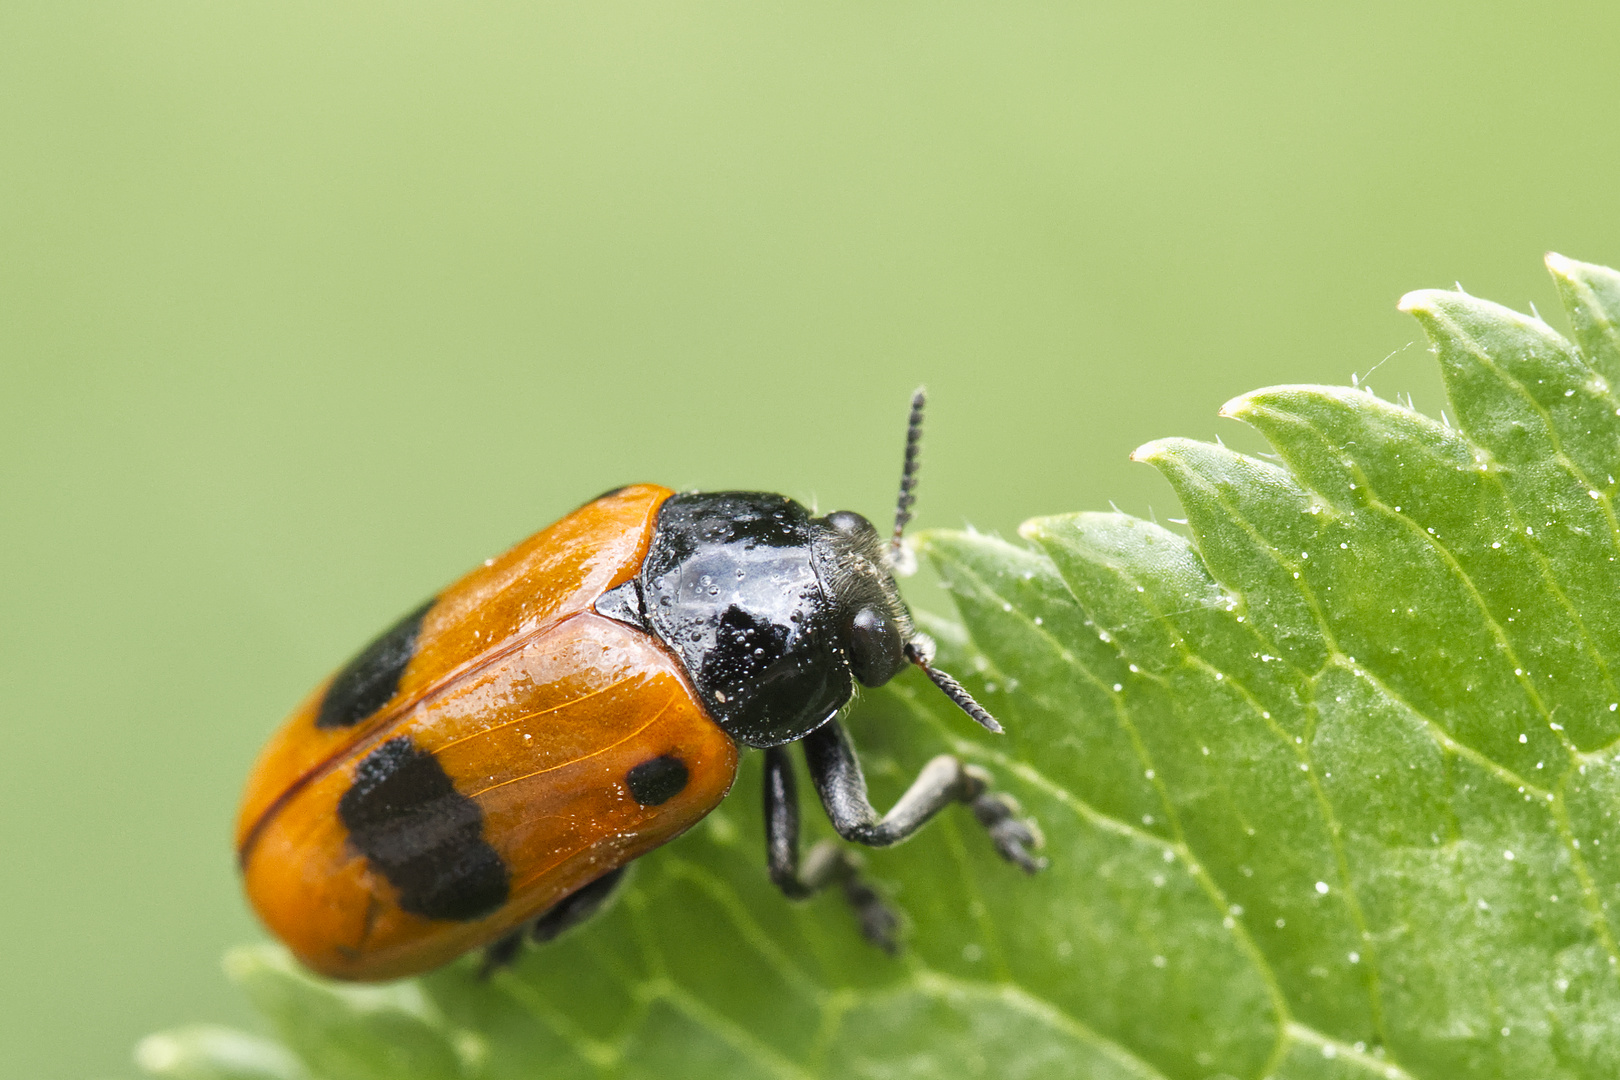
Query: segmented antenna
[
  {"x": 908, "y": 472},
  {"x": 920, "y": 651},
  {"x": 953, "y": 689}
]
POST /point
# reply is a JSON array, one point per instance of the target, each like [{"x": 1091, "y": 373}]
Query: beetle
[{"x": 487, "y": 768}]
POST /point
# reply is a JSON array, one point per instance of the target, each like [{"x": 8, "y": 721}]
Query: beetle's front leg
[
  {"x": 836, "y": 772},
  {"x": 826, "y": 864}
]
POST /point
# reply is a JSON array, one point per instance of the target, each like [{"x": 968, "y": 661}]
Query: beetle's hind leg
[
  {"x": 836, "y": 772},
  {"x": 576, "y": 907},
  {"x": 827, "y": 863},
  {"x": 500, "y": 953},
  {"x": 570, "y": 911}
]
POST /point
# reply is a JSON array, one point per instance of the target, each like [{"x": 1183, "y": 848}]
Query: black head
[
  {"x": 775, "y": 614},
  {"x": 873, "y": 624}
]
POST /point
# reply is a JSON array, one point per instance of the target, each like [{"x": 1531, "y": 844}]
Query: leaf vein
[
  {"x": 1521, "y": 390},
  {"x": 944, "y": 987},
  {"x": 727, "y": 1031},
  {"x": 1331, "y": 1047},
  {"x": 747, "y": 927}
]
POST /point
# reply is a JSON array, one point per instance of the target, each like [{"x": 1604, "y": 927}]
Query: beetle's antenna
[
  {"x": 908, "y": 473},
  {"x": 920, "y": 652},
  {"x": 953, "y": 689}
]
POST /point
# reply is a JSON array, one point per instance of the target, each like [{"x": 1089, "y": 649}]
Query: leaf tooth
[
  {"x": 1251, "y": 520},
  {"x": 1239, "y": 407},
  {"x": 1591, "y": 296},
  {"x": 1418, "y": 300},
  {"x": 1338, "y": 440},
  {"x": 1491, "y": 333},
  {"x": 1218, "y": 469},
  {"x": 1245, "y": 406},
  {"x": 1126, "y": 574},
  {"x": 1490, "y": 325},
  {"x": 1519, "y": 388},
  {"x": 1113, "y": 539},
  {"x": 1150, "y": 453}
]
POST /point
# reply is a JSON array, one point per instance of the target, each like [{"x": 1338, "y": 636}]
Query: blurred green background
[{"x": 305, "y": 308}]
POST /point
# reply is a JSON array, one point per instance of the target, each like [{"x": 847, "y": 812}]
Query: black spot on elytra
[
  {"x": 657, "y": 781},
  {"x": 372, "y": 677},
  {"x": 406, "y": 817}
]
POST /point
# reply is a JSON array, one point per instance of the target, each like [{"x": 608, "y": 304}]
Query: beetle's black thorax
[{"x": 733, "y": 584}]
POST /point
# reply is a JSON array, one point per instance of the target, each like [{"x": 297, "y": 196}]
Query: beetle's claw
[
  {"x": 880, "y": 925},
  {"x": 880, "y": 922},
  {"x": 1015, "y": 838}
]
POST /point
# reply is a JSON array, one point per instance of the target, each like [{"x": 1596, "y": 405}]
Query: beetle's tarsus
[
  {"x": 880, "y": 923},
  {"x": 500, "y": 954},
  {"x": 1015, "y": 838}
]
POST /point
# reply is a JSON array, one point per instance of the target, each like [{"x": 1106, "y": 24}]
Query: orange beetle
[{"x": 486, "y": 768}]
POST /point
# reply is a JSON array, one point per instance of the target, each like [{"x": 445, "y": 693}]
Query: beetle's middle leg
[{"x": 827, "y": 863}]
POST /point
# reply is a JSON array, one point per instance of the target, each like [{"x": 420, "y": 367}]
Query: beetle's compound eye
[
  {"x": 850, "y": 523},
  {"x": 876, "y": 650}
]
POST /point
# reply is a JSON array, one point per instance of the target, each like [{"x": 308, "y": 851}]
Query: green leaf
[
  {"x": 207, "y": 1052},
  {"x": 389, "y": 1032},
  {"x": 1327, "y": 784}
]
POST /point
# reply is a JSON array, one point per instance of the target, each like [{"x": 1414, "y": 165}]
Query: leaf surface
[{"x": 1328, "y": 787}]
